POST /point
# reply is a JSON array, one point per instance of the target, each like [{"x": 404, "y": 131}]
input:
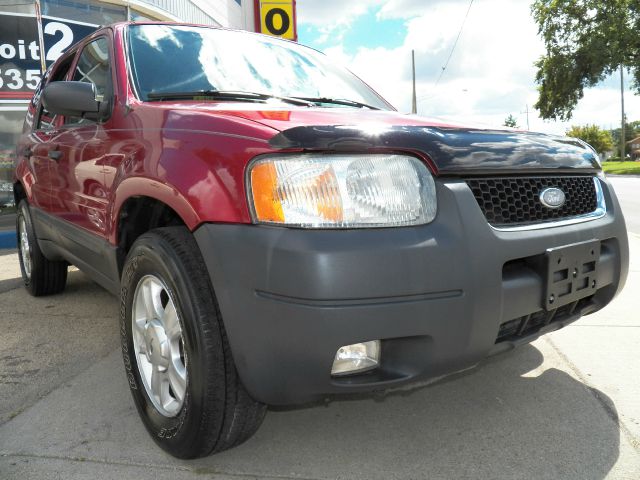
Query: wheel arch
[
  {"x": 155, "y": 190},
  {"x": 138, "y": 211},
  {"x": 19, "y": 193}
]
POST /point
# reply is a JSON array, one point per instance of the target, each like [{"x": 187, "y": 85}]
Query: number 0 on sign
[{"x": 277, "y": 18}]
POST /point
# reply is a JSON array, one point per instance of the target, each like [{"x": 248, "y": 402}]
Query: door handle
[{"x": 55, "y": 155}]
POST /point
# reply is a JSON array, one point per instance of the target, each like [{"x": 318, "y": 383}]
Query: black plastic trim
[
  {"x": 61, "y": 240},
  {"x": 359, "y": 302},
  {"x": 70, "y": 98}
]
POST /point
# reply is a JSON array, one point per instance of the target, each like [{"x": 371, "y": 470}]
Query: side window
[
  {"x": 47, "y": 120},
  {"x": 93, "y": 67}
]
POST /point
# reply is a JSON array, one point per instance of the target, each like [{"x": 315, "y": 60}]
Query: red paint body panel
[
  {"x": 298, "y": 117},
  {"x": 197, "y": 157}
]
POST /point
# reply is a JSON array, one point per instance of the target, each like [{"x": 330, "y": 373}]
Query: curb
[{"x": 8, "y": 239}]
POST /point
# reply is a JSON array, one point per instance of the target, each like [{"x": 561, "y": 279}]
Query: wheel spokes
[
  {"x": 151, "y": 294},
  {"x": 160, "y": 386},
  {"x": 171, "y": 322}
]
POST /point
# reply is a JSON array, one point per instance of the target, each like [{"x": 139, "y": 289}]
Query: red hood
[
  {"x": 297, "y": 117},
  {"x": 452, "y": 148},
  {"x": 283, "y": 117}
]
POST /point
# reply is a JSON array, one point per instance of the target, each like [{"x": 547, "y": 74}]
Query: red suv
[{"x": 277, "y": 233}]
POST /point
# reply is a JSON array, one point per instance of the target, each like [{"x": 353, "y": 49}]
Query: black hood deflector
[{"x": 454, "y": 151}]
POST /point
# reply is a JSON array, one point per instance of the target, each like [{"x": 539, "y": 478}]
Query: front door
[
  {"x": 79, "y": 150},
  {"x": 35, "y": 146}
]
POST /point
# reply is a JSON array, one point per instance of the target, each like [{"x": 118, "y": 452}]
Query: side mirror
[{"x": 73, "y": 99}]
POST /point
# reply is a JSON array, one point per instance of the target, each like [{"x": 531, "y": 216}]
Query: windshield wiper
[
  {"x": 227, "y": 95},
  {"x": 338, "y": 101}
]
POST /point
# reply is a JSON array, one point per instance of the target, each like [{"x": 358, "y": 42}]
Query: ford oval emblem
[{"x": 552, "y": 197}]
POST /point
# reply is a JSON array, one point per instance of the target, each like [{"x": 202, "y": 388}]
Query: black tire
[
  {"x": 42, "y": 276},
  {"x": 217, "y": 413}
]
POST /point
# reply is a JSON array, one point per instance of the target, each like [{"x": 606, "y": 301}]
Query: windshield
[{"x": 173, "y": 59}]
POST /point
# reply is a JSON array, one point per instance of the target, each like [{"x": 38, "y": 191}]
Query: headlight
[{"x": 341, "y": 191}]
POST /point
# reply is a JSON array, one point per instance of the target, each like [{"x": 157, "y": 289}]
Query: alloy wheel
[{"x": 159, "y": 346}]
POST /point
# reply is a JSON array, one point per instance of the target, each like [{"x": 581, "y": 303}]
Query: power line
[{"x": 454, "y": 45}]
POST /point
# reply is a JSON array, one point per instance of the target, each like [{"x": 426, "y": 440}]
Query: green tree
[
  {"x": 585, "y": 41},
  {"x": 599, "y": 139},
  {"x": 510, "y": 121},
  {"x": 631, "y": 131}
]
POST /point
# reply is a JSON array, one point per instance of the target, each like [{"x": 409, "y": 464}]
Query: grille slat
[
  {"x": 515, "y": 200},
  {"x": 530, "y": 324}
]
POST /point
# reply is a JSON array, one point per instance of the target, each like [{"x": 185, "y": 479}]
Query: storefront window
[
  {"x": 11, "y": 119},
  {"x": 16, "y": 6},
  {"x": 12, "y": 107},
  {"x": 93, "y": 12},
  {"x": 136, "y": 16},
  {"x": 64, "y": 22}
]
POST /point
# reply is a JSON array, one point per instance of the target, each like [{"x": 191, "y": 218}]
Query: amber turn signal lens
[
  {"x": 313, "y": 189},
  {"x": 264, "y": 184}
]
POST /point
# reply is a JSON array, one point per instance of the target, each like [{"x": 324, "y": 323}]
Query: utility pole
[
  {"x": 527, "y": 112},
  {"x": 414, "y": 102},
  {"x": 623, "y": 134}
]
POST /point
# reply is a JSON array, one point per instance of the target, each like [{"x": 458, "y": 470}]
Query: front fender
[{"x": 147, "y": 187}]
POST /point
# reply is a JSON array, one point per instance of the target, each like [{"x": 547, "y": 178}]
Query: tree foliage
[
  {"x": 510, "y": 121},
  {"x": 599, "y": 139},
  {"x": 585, "y": 41},
  {"x": 631, "y": 131}
]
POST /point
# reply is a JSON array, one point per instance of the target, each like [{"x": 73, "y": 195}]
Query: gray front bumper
[{"x": 436, "y": 294}]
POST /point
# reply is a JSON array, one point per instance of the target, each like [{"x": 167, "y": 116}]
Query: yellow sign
[{"x": 278, "y": 18}]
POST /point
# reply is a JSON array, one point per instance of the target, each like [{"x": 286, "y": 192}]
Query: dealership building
[{"x": 51, "y": 26}]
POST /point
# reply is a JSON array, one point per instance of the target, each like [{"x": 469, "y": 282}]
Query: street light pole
[
  {"x": 622, "y": 131},
  {"x": 414, "y": 102},
  {"x": 527, "y": 112}
]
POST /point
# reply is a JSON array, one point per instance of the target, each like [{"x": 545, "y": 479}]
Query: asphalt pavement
[{"x": 564, "y": 407}]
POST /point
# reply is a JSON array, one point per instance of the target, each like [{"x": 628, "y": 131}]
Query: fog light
[{"x": 356, "y": 358}]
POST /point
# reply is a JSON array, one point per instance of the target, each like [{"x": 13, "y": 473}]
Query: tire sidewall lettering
[{"x": 126, "y": 278}]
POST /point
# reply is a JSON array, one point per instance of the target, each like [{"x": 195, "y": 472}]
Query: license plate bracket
[{"x": 572, "y": 272}]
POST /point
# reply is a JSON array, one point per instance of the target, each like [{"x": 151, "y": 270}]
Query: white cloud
[
  {"x": 327, "y": 13},
  {"x": 415, "y": 8},
  {"x": 491, "y": 73},
  {"x": 332, "y": 17}
]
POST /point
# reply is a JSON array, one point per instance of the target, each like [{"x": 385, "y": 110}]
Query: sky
[{"x": 490, "y": 75}]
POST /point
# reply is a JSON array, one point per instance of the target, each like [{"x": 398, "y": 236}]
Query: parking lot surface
[{"x": 565, "y": 407}]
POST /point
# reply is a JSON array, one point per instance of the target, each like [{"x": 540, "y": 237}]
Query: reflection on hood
[{"x": 452, "y": 150}]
